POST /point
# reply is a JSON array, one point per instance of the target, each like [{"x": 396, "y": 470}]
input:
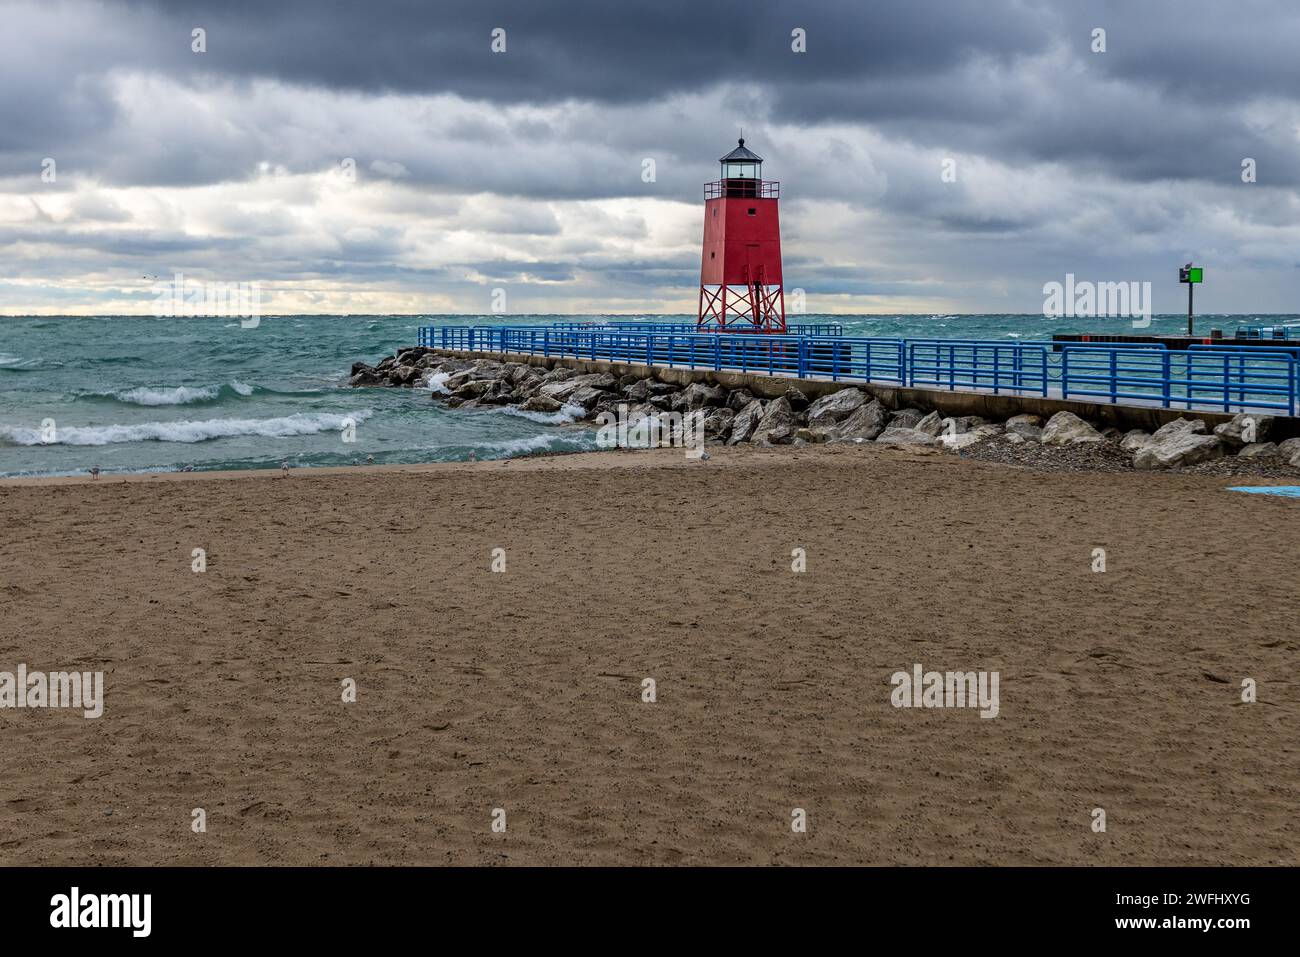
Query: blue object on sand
[{"x": 1290, "y": 491}]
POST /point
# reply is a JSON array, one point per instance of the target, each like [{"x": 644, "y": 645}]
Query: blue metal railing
[
  {"x": 971, "y": 364},
  {"x": 1264, "y": 332},
  {"x": 1223, "y": 378}
]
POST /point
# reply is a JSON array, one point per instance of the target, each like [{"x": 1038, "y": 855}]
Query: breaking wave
[
  {"x": 536, "y": 443},
  {"x": 568, "y": 413},
  {"x": 302, "y": 423},
  {"x": 180, "y": 395}
]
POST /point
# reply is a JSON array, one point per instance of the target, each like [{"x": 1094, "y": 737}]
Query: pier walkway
[{"x": 1203, "y": 378}]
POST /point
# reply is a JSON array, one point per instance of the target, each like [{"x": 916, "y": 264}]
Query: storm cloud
[{"x": 382, "y": 157}]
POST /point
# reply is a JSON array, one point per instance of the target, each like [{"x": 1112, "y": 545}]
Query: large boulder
[
  {"x": 957, "y": 425},
  {"x": 865, "y": 422},
  {"x": 1244, "y": 429},
  {"x": 697, "y": 395},
  {"x": 931, "y": 424},
  {"x": 541, "y": 403},
  {"x": 530, "y": 383},
  {"x": 1289, "y": 451},
  {"x": 798, "y": 401},
  {"x": 906, "y": 418},
  {"x": 739, "y": 399},
  {"x": 1178, "y": 426},
  {"x": 405, "y": 375},
  {"x": 363, "y": 374},
  {"x": 1177, "y": 447},
  {"x": 451, "y": 364},
  {"x": 1133, "y": 440},
  {"x": 1066, "y": 428},
  {"x": 559, "y": 374},
  {"x": 458, "y": 379},
  {"x": 410, "y": 355},
  {"x": 952, "y": 439},
  {"x": 1264, "y": 452},
  {"x": 717, "y": 424},
  {"x": 565, "y": 388},
  {"x": 746, "y": 420},
  {"x": 499, "y": 394},
  {"x": 586, "y": 396},
  {"x": 836, "y": 407},
  {"x": 518, "y": 374},
  {"x": 895, "y": 435},
  {"x": 473, "y": 388},
  {"x": 1028, "y": 427},
  {"x": 812, "y": 435},
  {"x": 638, "y": 391},
  {"x": 777, "y": 425}
]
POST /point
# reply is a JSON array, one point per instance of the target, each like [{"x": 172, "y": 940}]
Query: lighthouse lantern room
[{"x": 740, "y": 274}]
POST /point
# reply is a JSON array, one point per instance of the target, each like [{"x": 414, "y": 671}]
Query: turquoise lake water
[{"x": 136, "y": 394}]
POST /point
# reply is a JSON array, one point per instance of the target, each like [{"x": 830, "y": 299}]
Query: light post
[{"x": 1190, "y": 275}]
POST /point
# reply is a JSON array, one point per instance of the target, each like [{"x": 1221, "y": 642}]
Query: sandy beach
[{"x": 522, "y": 690}]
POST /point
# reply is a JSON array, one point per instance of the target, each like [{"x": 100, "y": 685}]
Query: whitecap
[
  {"x": 301, "y": 423},
  {"x": 533, "y": 443},
  {"x": 567, "y": 414},
  {"x": 181, "y": 395}
]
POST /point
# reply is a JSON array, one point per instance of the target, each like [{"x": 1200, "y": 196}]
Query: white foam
[
  {"x": 241, "y": 387},
  {"x": 531, "y": 444},
  {"x": 301, "y": 423},
  {"x": 181, "y": 395},
  {"x": 568, "y": 413},
  {"x": 437, "y": 382}
]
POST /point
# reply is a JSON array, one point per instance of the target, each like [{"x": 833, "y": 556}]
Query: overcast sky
[{"x": 523, "y": 169}]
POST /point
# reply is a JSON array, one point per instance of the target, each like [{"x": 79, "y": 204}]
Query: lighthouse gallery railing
[{"x": 1209, "y": 377}]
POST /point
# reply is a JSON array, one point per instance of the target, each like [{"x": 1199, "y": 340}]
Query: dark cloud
[
  {"x": 1011, "y": 79},
  {"x": 591, "y": 49},
  {"x": 1065, "y": 155}
]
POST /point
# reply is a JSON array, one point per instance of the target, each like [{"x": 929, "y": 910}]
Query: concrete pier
[{"x": 1002, "y": 405}]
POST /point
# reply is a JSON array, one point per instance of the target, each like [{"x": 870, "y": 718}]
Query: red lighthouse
[{"x": 740, "y": 275}]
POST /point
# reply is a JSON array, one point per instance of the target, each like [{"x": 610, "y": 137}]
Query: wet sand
[{"x": 522, "y": 690}]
